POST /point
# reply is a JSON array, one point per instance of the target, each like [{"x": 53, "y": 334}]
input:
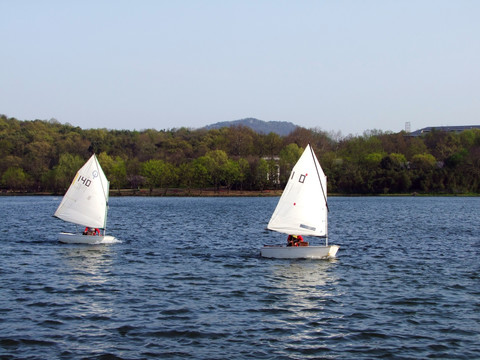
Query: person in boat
[
  {"x": 91, "y": 231},
  {"x": 294, "y": 240}
]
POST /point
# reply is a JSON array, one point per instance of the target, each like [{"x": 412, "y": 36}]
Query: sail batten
[
  {"x": 85, "y": 202},
  {"x": 302, "y": 208}
]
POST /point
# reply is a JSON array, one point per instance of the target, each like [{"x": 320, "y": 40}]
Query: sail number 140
[{"x": 85, "y": 181}]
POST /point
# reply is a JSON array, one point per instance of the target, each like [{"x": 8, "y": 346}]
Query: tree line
[{"x": 43, "y": 156}]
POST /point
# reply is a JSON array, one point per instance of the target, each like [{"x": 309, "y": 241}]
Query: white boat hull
[
  {"x": 299, "y": 252},
  {"x": 69, "y": 238}
]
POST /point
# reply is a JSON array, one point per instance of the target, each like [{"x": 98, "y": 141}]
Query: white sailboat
[
  {"x": 302, "y": 210},
  {"x": 86, "y": 203}
]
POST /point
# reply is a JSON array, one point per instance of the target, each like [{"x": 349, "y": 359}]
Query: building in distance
[{"x": 455, "y": 129}]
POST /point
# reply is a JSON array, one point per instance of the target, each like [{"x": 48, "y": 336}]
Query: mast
[
  {"x": 106, "y": 208},
  {"x": 105, "y": 193},
  {"x": 319, "y": 178},
  {"x": 324, "y": 192}
]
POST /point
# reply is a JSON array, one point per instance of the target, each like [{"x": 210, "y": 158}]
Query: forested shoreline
[{"x": 43, "y": 156}]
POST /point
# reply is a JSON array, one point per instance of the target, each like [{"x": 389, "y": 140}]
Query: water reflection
[
  {"x": 304, "y": 285},
  {"x": 302, "y": 293},
  {"x": 88, "y": 264},
  {"x": 304, "y": 273},
  {"x": 88, "y": 274}
]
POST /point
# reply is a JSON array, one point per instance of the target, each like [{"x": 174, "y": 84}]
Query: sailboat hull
[
  {"x": 69, "y": 238},
  {"x": 300, "y": 252}
]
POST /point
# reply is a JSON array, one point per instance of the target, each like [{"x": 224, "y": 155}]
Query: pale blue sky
[{"x": 346, "y": 66}]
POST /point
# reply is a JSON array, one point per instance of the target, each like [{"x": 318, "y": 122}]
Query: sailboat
[
  {"x": 86, "y": 203},
  {"x": 302, "y": 210}
]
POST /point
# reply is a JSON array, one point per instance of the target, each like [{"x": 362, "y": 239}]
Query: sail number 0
[{"x": 85, "y": 181}]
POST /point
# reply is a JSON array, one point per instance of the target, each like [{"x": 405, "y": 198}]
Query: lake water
[{"x": 187, "y": 281}]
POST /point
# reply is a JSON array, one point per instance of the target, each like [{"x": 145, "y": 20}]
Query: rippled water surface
[{"x": 187, "y": 281}]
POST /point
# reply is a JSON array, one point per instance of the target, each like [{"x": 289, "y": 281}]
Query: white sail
[
  {"x": 302, "y": 208},
  {"x": 85, "y": 202}
]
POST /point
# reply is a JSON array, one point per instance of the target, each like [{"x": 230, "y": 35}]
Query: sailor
[
  {"x": 293, "y": 240},
  {"x": 290, "y": 240},
  {"x": 298, "y": 239},
  {"x": 91, "y": 231}
]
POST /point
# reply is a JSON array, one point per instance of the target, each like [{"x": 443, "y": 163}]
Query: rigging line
[
  {"x": 319, "y": 178},
  {"x": 105, "y": 194}
]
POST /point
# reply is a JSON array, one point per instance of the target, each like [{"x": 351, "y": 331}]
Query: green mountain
[{"x": 281, "y": 128}]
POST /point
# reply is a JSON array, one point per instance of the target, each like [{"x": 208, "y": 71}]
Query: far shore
[
  {"x": 194, "y": 192},
  {"x": 180, "y": 192},
  {"x": 164, "y": 192}
]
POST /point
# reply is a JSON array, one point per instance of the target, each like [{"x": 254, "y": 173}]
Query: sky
[{"x": 337, "y": 66}]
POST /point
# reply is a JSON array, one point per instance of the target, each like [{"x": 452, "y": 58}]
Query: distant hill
[{"x": 281, "y": 128}]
